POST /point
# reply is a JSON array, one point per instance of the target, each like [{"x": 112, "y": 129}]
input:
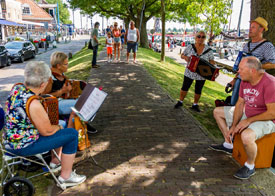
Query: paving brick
[{"x": 148, "y": 147}]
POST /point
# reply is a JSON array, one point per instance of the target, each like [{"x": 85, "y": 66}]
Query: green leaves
[
  {"x": 209, "y": 13},
  {"x": 64, "y": 14}
]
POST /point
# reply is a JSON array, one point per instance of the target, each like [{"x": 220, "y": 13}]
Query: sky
[{"x": 86, "y": 21}]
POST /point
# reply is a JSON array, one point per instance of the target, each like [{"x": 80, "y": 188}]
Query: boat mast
[{"x": 239, "y": 23}]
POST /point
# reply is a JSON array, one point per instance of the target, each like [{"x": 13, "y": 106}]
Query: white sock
[
  {"x": 195, "y": 104},
  {"x": 228, "y": 145},
  {"x": 180, "y": 101},
  {"x": 249, "y": 165}
]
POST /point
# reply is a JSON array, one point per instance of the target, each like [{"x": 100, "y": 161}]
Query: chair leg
[
  {"x": 54, "y": 177},
  {"x": 56, "y": 155}
]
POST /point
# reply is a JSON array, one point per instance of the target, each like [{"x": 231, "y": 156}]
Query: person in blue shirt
[{"x": 122, "y": 31}]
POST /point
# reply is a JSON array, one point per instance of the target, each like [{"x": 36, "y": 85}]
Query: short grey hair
[
  {"x": 253, "y": 63},
  {"x": 36, "y": 73}
]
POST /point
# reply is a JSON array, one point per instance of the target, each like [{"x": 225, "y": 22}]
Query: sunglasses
[{"x": 203, "y": 37}]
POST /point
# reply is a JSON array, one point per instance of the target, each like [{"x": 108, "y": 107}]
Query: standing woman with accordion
[{"x": 203, "y": 51}]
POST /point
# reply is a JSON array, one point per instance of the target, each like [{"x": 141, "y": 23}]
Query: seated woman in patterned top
[{"x": 28, "y": 135}]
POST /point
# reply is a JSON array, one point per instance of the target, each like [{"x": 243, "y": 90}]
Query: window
[{"x": 26, "y": 9}]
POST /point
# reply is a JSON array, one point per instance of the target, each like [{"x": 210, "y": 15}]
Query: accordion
[
  {"x": 50, "y": 104},
  {"x": 77, "y": 88},
  {"x": 203, "y": 68}
]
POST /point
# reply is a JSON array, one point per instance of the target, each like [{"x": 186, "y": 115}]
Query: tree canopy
[
  {"x": 64, "y": 14},
  {"x": 211, "y": 13}
]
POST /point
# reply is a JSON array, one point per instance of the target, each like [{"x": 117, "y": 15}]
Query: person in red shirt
[{"x": 257, "y": 99}]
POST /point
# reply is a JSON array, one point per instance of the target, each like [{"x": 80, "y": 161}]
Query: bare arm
[
  {"x": 138, "y": 35},
  {"x": 186, "y": 58},
  {"x": 269, "y": 114},
  {"x": 212, "y": 62},
  {"x": 41, "y": 120},
  {"x": 268, "y": 66},
  {"x": 125, "y": 36},
  {"x": 238, "y": 113},
  {"x": 59, "y": 93}
]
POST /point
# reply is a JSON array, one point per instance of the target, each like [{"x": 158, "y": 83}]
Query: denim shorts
[
  {"x": 65, "y": 138},
  {"x": 117, "y": 40},
  {"x": 131, "y": 46}
]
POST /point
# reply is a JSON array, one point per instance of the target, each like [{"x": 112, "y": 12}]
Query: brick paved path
[{"x": 148, "y": 147}]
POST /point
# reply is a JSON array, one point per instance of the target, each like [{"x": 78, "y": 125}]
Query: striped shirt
[
  {"x": 190, "y": 51},
  {"x": 265, "y": 53}
]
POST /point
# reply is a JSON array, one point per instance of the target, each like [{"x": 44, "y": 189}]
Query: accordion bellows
[
  {"x": 77, "y": 87},
  {"x": 50, "y": 104},
  {"x": 203, "y": 68}
]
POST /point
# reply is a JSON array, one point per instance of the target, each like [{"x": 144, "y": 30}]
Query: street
[{"x": 15, "y": 73}]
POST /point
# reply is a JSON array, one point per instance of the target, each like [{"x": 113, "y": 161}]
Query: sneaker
[
  {"x": 95, "y": 66},
  {"x": 179, "y": 104},
  {"x": 196, "y": 108},
  {"x": 73, "y": 180},
  {"x": 135, "y": 61},
  {"x": 244, "y": 173},
  {"x": 91, "y": 129},
  {"x": 55, "y": 167},
  {"x": 221, "y": 148}
]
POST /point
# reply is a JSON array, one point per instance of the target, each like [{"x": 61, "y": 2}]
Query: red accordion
[{"x": 203, "y": 68}]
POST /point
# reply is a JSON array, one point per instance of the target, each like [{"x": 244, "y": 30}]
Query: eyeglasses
[{"x": 203, "y": 37}]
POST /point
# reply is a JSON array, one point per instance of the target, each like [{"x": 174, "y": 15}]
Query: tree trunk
[
  {"x": 143, "y": 35},
  {"x": 162, "y": 58},
  {"x": 265, "y": 9}
]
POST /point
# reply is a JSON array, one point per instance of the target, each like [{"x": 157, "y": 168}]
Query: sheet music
[{"x": 92, "y": 104}]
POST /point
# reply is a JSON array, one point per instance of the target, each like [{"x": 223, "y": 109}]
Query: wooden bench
[{"x": 265, "y": 148}]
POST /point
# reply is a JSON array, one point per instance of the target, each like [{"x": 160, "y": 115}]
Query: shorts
[
  {"x": 131, "y": 46},
  {"x": 260, "y": 128},
  {"x": 117, "y": 40},
  {"x": 109, "y": 50}
]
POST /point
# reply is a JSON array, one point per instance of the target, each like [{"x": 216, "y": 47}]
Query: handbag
[
  {"x": 83, "y": 140},
  {"x": 90, "y": 46}
]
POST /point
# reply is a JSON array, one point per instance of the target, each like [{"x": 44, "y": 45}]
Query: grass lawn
[
  {"x": 169, "y": 75},
  {"x": 80, "y": 65}
]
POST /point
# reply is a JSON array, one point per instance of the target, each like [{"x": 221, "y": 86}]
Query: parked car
[
  {"x": 4, "y": 57},
  {"x": 21, "y": 50}
]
